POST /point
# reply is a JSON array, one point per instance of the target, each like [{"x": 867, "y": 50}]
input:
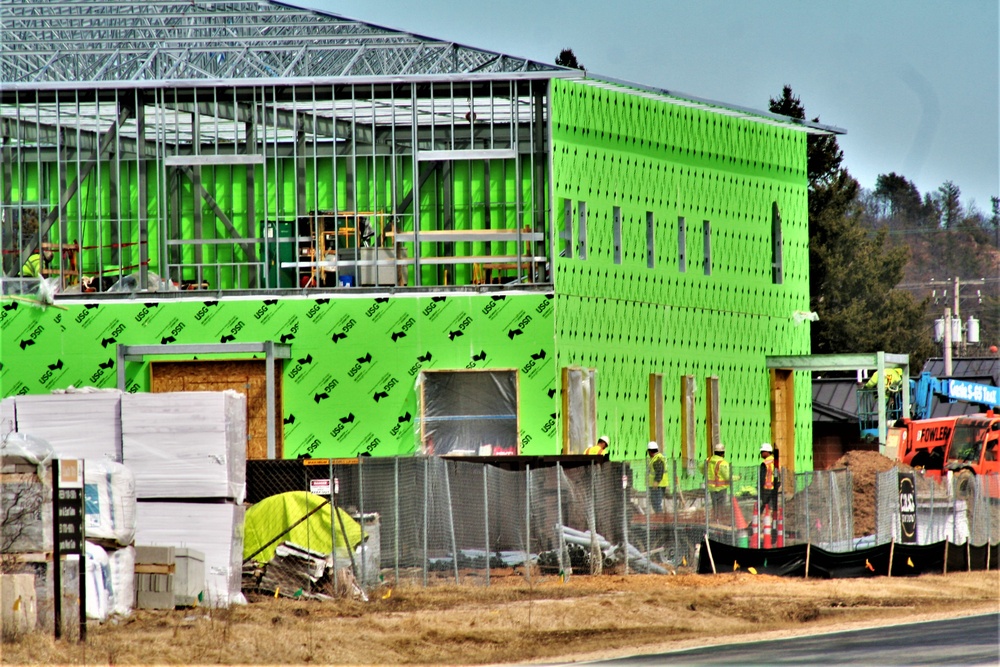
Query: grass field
[{"x": 512, "y": 621}]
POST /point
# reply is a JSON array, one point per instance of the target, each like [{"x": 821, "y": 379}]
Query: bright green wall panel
[
  {"x": 357, "y": 356},
  {"x": 612, "y": 148}
]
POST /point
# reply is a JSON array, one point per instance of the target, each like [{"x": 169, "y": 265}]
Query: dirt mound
[{"x": 864, "y": 467}]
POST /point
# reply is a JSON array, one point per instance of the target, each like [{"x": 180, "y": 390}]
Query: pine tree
[{"x": 853, "y": 273}]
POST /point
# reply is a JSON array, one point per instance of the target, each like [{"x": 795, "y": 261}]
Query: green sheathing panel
[
  {"x": 612, "y": 148},
  {"x": 104, "y": 218},
  {"x": 357, "y": 356}
]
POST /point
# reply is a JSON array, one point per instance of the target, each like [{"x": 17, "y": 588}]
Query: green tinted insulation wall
[
  {"x": 659, "y": 160},
  {"x": 350, "y": 385},
  {"x": 104, "y": 217}
]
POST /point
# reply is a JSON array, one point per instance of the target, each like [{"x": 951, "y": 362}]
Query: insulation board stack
[
  {"x": 8, "y": 422},
  {"x": 78, "y": 424},
  {"x": 214, "y": 529},
  {"x": 188, "y": 453},
  {"x": 188, "y": 445}
]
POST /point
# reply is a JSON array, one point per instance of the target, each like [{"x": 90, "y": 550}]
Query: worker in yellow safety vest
[
  {"x": 717, "y": 478},
  {"x": 600, "y": 449},
  {"x": 767, "y": 482},
  {"x": 33, "y": 266},
  {"x": 656, "y": 477}
]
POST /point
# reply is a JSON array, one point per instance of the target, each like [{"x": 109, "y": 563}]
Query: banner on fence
[{"x": 907, "y": 508}]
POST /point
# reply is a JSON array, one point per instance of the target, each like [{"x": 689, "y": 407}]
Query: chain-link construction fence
[
  {"x": 431, "y": 519},
  {"x": 958, "y": 508}
]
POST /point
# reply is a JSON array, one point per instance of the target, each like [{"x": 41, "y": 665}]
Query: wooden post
[
  {"x": 808, "y": 550},
  {"x": 708, "y": 548},
  {"x": 945, "y": 557},
  {"x": 892, "y": 551}
]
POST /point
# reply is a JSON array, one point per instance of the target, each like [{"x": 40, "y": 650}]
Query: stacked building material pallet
[{"x": 188, "y": 452}]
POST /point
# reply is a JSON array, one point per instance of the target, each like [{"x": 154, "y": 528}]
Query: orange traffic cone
[
  {"x": 740, "y": 524},
  {"x": 781, "y": 526},
  {"x": 754, "y": 533},
  {"x": 766, "y": 527}
]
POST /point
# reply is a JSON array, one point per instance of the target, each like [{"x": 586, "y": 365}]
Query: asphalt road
[{"x": 972, "y": 640}]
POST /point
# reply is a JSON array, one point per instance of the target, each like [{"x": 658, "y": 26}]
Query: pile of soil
[{"x": 864, "y": 467}]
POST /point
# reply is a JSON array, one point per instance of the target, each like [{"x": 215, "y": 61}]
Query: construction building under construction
[{"x": 395, "y": 244}]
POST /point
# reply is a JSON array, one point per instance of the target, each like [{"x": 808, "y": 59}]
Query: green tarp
[{"x": 280, "y": 516}]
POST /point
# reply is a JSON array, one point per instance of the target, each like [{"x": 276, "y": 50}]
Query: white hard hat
[
  {"x": 719, "y": 447},
  {"x": 604, "y": 439},
  {"x": 766, "y": 447},
  {"x": 652, "y": 446}
]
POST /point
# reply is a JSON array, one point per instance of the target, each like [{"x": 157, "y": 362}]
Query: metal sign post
[
  {"x": 907, "y": 508},
  {"x": 68, "y": 536}
]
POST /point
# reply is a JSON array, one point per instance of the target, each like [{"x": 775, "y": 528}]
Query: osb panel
[{"x": 247, "y": 376}]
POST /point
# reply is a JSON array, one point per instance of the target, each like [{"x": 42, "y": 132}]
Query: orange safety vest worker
[
  {"x": 717, "y": 472},
  {"x": 768, "y": 467}
]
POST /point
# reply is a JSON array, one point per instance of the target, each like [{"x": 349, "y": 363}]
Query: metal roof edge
[
  {"x": 437, "y": 40},
  {"x": 792, "y": 123}
]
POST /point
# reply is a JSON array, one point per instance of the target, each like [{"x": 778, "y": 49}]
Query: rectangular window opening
[
  {"x": 650, "y": 256},
  {"x": 681, "y": 245},
  {"x": 777, "y": 272},
  {"x": 566, "y": 235},
  {"x": 469, "y": 412},
  {"x": 707, "y": 247},
  {"x": 582, "y": 230},
  {"x": 618, "y": 234}
]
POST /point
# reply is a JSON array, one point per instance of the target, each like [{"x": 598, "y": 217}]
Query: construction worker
[
  {"x": 600, "y": 449},
  {"x": 717, "y": 478},
  {"x": 656, "y": 476},
  {"x": 767, "y": 480},
  {"x": 33, "y": 265}
]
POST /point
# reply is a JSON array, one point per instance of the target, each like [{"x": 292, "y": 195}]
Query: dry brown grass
[{"x": 512, "y": 621}]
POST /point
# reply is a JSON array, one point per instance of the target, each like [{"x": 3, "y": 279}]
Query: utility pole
[
  {"x": 947, "y": 342},
  {"x": 959, "y": 342}
]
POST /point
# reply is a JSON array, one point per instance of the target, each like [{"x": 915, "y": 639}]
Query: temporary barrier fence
[{"x": 436, "y": 519}]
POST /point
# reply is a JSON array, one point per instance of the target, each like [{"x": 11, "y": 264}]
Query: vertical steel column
[
  {"x": 415, "y": 140},
  {"x": 140, "y": 163},
  {"x": 805, "y": 490},
  {"x": 271, "y": 407}
]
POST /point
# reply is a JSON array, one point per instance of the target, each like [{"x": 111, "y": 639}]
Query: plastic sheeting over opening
[
  {"x": 472, "y": 413},
  {"x": 581, "y": 424}
]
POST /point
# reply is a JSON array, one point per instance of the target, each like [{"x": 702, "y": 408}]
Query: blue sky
[{"x": 916, "y": 83}]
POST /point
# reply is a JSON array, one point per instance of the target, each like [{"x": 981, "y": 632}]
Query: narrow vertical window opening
[
  {"x": 681, "y": 245},
  {"x": 777, "y": 271},
  {"x": 617, "y": 214},
  {"x": 567, "y": 229},
  {"x": 707, "y": 247},
  {"x": 582, "y": 231},
  {"x": 650, "y": 254}
]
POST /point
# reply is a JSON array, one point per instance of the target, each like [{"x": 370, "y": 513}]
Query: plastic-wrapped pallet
[
  {"x": 8, "y": 422},
  {"x": 98, "y": 583},
  {"x": 109, "y": 492},
  {"x": 215, "y": 529},
  {"x": 121, "y": 574},
  {"x": 25, "y": 494},
  {"x": 79, "y": 424},
  {"x": 186, "y": 444}
]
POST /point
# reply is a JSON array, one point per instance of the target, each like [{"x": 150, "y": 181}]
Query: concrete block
[
  {"x": 18, "y": 605},
  {"x": 189, "y": 576}
]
